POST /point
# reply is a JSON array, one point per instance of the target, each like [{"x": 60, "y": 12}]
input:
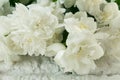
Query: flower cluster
[{"x": 92, "y": 32}]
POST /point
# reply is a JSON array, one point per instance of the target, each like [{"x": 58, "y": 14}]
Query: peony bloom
[
  {"x": 108, "y": 13},
  {"x": 109, "y": 39},
  {"x": 90, "y": 6},
  {"x": 82, "y": 47},
  {"x": 79, "y": 21},
  {"x": 103, "y": 12},
  {"x": 82, "y": 50},
  {"x": 24, "y": 42},
  {"x": 31, "y": 32},
  {"x": 56, "y": 7},
  {"x": 38, "y": 19}
]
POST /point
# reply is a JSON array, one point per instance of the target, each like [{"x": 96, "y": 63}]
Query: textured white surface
[{"x": 43, "y": 68}]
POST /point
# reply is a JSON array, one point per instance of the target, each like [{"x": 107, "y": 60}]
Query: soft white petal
[{"x": 54, "y": 48}]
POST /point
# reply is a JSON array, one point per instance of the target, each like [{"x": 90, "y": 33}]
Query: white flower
[
  {"x": 82, "y": 47},
  {"x": 91, "y": 6},
  {"x": 38, "y": 19},
  {"x": 110, "y": 41},
  {"x": 114, "y": 23},
  {"x": 103, "y": 12},
  {"x": 4, "y": 28},
  {"x": 24, "y": 42},
  {"x": 59, "y": 11},
  {"x": 6, "y": 54},
  {"x": 79, "y": 21},
  {"x": 109, "y": 12},
  {"x": 81, "y": 40},
  {"x": 56, "y": 6},
  {"x": 53, "y": 49},
  {"x": 54, "y": 44},
  {"x": 113, "y": 15},
  {"x": 31, "y": 32},
  {"x": 82, "y": 50}
]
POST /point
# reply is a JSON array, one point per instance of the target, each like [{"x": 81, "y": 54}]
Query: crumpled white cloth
[{"x": 43, "y": 68}]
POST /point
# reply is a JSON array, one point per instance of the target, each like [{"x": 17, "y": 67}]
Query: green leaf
[
  {"x": 118, "y": 2},
  {"x": 25, "y": 2},
  {"x": 71, "y": 9},
  {"x": 108, "y": 0},
  {"x": 65, "y": 35},
  {"x": 54, "y": 0},
  {"x": 12, "y": 2}
]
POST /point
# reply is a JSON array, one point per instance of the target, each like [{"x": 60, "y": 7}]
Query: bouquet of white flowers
[{"x": 59, "y": 40}]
